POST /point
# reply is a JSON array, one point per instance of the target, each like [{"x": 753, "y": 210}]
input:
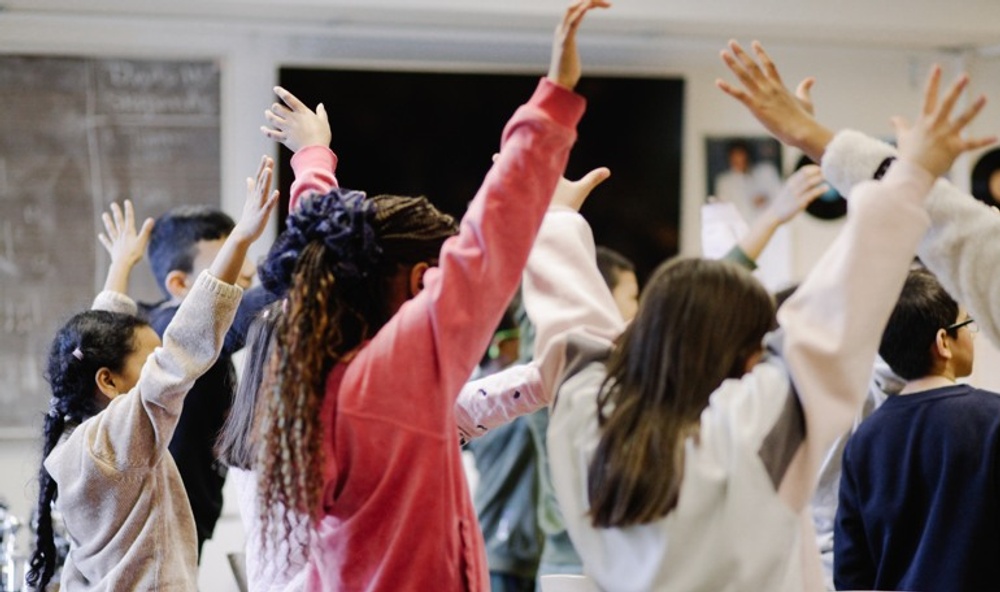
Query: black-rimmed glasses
[{"x": 970, "y": 322}]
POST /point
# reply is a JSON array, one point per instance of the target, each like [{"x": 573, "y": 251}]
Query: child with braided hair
[
  {"x": 116, "y": 395},
  {"x": 387, "y": 315}
]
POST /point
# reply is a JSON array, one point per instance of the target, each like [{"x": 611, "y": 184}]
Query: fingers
[
  {"x": 769, "y": 68},
  {"x": 129, "y": 216},
  {"x": 931, "y": 90},
  {"x": 275, "y": 119},
  {"x": 321, "y": 111},
  {"x": 736, "y": 67},
  {"x": 116, "y": 213},
  {"x": 732, "y": 91},
  {"x": 276, "y": 135},
  {"x": 748, "y": 62},
  {"x": 977, "y": 143},
  {"x": 109, "y": 226},
  {"x": 899, "y": 124},
  {"x": 146, "y": 230},
  {"x": 595, "y": 178},
  {"x": 943, "y": 111},
  {"x": 969, "y": 114},
  {"x": 289, "y": 99},
  {"x": 804, "y": 94},
  {"x": 106, "y": 242}
]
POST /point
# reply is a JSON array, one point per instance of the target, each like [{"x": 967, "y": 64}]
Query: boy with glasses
[{"x": 919, "y": 499}]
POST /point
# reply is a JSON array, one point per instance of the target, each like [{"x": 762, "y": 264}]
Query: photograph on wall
[{"x": 744, "y": 171}]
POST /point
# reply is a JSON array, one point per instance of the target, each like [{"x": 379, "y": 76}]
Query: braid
[
  {"x": 89, "y": 341},
  {"x": 317, "y": 330}
]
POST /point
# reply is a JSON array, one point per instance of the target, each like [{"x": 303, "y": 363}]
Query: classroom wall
[{"x": 856, "y": 87}]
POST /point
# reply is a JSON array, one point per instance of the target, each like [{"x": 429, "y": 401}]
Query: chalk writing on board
[{"x": 75, "y": 135}]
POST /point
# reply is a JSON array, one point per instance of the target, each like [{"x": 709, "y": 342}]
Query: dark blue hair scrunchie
[{"x": 343, "y": 221}]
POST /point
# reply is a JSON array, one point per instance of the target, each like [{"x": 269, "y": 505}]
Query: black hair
[
  {"x": 986, "y": 166},
  {"x": 923, "y": 308},
  {"x": 176, "y": 234},
  {"x": 89, "y": 341},
  {"x": 612, "y": 264},
  {"x": 235, "y": 445}
]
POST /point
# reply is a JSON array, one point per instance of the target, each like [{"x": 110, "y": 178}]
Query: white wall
[{"x": 856, "y": 87}]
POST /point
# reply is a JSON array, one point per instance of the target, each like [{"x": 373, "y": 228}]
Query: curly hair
[{"x": 335, "y": 262}]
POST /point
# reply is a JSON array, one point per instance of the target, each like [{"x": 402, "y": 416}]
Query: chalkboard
[{"x": 75, "y": 135}]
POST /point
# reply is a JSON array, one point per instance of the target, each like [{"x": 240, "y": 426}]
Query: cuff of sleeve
[
  {"x": 115, "y": 302},
  {"x": 561, "y": 104},
  {"x": 739, "y": 257},
  {"x": 853, "y": 157},
  {"x": 904, "y": 170},
  {"x": 314, "y": 157},
  {"x": 227, "y": 292}
]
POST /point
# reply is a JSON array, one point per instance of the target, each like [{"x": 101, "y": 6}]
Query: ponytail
[{"x": 334, "y": 263}]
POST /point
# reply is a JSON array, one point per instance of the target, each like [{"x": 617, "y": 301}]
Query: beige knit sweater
[{"x": 126, "y": 513}]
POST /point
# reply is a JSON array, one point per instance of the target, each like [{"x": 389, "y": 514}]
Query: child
[
  {"x": 117, "y": 393},
  {"x": 673, "y": 450},
  {"x": 184, "y": 242},
  {"x": 918, "y": 498},
  {"x": 376, "y": 344},
  {"x": 619, "y": 275}
]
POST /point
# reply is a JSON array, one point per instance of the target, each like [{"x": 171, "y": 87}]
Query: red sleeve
[
  {"x": 315, "y": 170},
  {"x": 414, "y": 368}
]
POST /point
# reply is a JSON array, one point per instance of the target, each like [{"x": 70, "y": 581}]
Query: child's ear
[
  {"x": 177, "y": 284},
  {"x": 105, "y": 382},
  {"x": 417, "y": 277},
  {"x": 942, "y": 349}
]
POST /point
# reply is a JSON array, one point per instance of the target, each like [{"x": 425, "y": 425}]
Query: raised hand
[
  {"x": 295, "y": 125},
  {"x": 257, "y": 208},
  {"x": 259, "y": 203},
  {"x": 573, "y": 193},
  {"x": 800, "y": 190},
  {"x": 564, "y": 69},
  {"x": 787, "y": 116},
  {"x": 120, "y": 239},
  {"x": 935, "y": 140}
]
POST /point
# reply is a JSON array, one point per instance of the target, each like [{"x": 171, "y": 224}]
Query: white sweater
[
  {"x": 741, "y": 522},
  {"x": 125, "y": 509}
]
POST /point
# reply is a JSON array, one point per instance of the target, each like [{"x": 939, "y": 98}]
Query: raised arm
[
  {"x": 565, "y": 291},
  {"x": 307, "y": 134},
  {"x": 126, "y": 247},
  {"x": 834, "y": 322},
  {"x": 135, "y": 429}
]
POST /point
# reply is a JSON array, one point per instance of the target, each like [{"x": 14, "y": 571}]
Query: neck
[{"x": 927, "y": 383}]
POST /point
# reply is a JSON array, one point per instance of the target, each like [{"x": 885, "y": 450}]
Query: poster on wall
[{"x": 744, "y": 171}]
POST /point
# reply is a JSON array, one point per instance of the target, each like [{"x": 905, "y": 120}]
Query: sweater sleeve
[
  {"x": 111, "y": 301},
  {"x": 315, "y": 170},
  {"x": 442, "y": 332},
  {"x": 834, "y": 322},
  {"x": 961, "y": 247},
  {"x": 853, "y": 567},
  {"x": 564, "y": 292},
  {"x": 134, "y": 430}
]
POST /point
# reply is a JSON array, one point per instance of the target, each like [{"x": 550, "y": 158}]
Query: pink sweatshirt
[{"x": 398, "y": 510}]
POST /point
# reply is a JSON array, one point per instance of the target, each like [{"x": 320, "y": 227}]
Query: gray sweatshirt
[{"x": 127, "y": 516}]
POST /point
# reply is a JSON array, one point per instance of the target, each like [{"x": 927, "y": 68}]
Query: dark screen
[{"x": 434, "y": 134}]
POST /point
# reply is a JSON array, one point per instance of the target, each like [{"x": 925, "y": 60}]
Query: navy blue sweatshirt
[{"x": 919, "y": 495}]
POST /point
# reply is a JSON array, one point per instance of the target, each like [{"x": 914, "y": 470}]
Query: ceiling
[{"x": 905, "y": 24}]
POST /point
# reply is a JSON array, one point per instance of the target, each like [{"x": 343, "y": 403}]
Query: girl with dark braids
[
  {"x": 386, "y": 318},
  {"x": 117, "y": 393}
]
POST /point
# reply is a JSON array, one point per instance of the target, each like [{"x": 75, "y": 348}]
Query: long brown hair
[
  {"x": 337, "y": 298},
  {"x": 698, "y": 323}
]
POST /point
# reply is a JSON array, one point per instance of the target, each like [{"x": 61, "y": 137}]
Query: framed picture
[{"x": 744, "y": 171}]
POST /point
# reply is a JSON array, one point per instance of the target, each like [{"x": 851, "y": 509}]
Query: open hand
[
  {"x": 935, "y": 140},
  {"x": 800, "y": 190},
  {"x": 123, "y": 243},
  {"x": 573, "y": 193},
  {"x": 259, "y": 203},
  {"x": 789, "y": 117},
  {"x": 295, "y": 125},
  {"x": 564, "y": 69}
]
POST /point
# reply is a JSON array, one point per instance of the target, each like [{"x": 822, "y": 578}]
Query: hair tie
[
  {"x": 54, "y": 408},
  {"x": 78, "y": 354},
  {"x": 343, "y": 220}
]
